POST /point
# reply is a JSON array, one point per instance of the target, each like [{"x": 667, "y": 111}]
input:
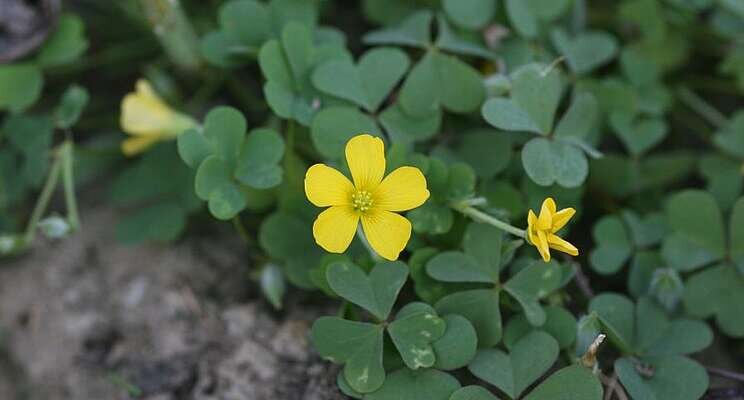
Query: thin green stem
[
  {"x": 68, "y": 183},
  {"x": 703, "y": 108},
  {"x": 43, "y": 201},
  {"x": 480, "y": 216},
  {"x": 240, "y": 228}
]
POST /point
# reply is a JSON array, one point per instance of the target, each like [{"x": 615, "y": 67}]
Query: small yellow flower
[
  {"x": 149, "y": 119},
  {"x": 541, "y": 230},
  {"x": 371, "y": 199}
]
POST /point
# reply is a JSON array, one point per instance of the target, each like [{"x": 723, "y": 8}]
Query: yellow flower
[
  {"x": 371, "y": 199},
  {"x": 541, "y": 230},
  {"x": 146, "y": 117}
]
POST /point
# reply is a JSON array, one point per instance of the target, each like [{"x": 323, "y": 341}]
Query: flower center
[{"x": 361, "y": 200}]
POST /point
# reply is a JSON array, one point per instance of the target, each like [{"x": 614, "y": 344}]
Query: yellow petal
[
  {"x": 387, "y": 232},
  {"x": 334, "y": 228},
  {"x": 403, "y": 189},
  {"x": 561, "y": 218},
  {"x": 325, "y": 186},
  {"x": 135, "y": 145},
  {"x": 544, "y": 220},
  {"x": 145, "y": 113},
  {"x": 542, "y": 246},
  {"x": 365, "y": 155},
  {"x": 559, "y": 244}
]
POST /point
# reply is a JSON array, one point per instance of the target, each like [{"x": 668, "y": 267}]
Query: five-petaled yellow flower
[
  {"x": 146, "y": 117},
  {"x": 541, "y": 230},
  {"x": 371, "y": 199}
]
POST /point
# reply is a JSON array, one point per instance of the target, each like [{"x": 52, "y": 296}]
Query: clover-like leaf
[
  {"x": 531, "y": 284},
  {"x": 481, "y": 308},
  {"x": 581, "y": 117},
  {"x": 736, "y": 235},
  {"x": 454, "y": 266},
  {"x": 613, "y": 245},
  {"x": 441, "y": 80},
  {"x": 638, "y": 135},
  {"x": 551, "y": 161},
  {"x": 457, "y": 347},
  {"x": 473, "y": 392},
  {"x": 71, "y": 106},
  {"x": 358, "y": 345},
  {"x": 717, "y": 292},
  {"x": 366, "y": 84},
  {"x": 559, "y": 323},
  {"x": 730, "y": 138},
  {"x": 414, "y": 31},
  {"x": 225, "y": 129},
  {"x": 697, "y": 236},
  {"x": 587, "y": 50},
  {"x": 470, "y": 14},
  {"x": 334, "y": 126},
  {"x": 65, "y": 45},
  {"x": 404, "y": 128},
  {"x": 20, "y": 86},
  {"x": 427, "y": 384},
  {"x": 258, "y": 163},
  {"x": 617, "y": 315},
  {"x": 487, "y": 151},
  {"x": 289, "y": 238},
  {"x": 512, "y": 373},
  {"x": 375, "y": 293},
  {"x": 570, "y": 383},
  {"x": 413, "y": 334},
  {"x": 672, "y": 378}
]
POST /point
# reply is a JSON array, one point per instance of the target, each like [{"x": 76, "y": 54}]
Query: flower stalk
[{"x": 466, "y": 209}]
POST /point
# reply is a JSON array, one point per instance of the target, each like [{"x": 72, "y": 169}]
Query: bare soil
[{"x": 88, "y": 318}]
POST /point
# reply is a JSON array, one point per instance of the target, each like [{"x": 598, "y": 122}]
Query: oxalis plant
[{"x": 513, "y": 199}]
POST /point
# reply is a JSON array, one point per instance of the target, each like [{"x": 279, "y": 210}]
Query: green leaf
[
  {"x": 225, "y": 129},
  {"x": 413, "y": 31},
  {"x": 723, "y": 178},
  {"x": 717, "y": 291},
  {"x": 667, "y": 287},
  {"x": 403, "y": 128},
  {"x": 470, "y": 14},
  {"x": 158, "y": 223},
  {"x": 531, "y": 284},
  {"x": 617, "y": 315},
  {"x": 193, "y": 147},
  {"x": 224, "y": 50},
  {"x": 484, "y": 243},
  {"x": 213, "y": 173},
  {"x": 368, "y": 83},
  {"x": 522, "y": 18},
  {"x": 246, "y": 20},
  {"x": 698, "y": 233},
  {"x": 646, "y": 231},
  {"x": 358, "y": 345},
  {"x": 440, "y": 79},
  {"x": 487, "y": 151},
  {"x": 473, "y": 393},
  {"x": 334, "y": 126},
  {"x": 457, "y": 347},
  {"x": 481, "y": 308},
  {"x": 375, "y": 293},
  {"x": 570, "y": 383},
  {"x": 20, "y": 86},
  {"x": 450, "y": 41},
  {"x": 529, "y": 359},
  {"x": 551, "y": 161},
  {"x": 537, "y": 89},
  {"x": 453, "y": 266},
  {"x": 683, "y": 336},
  {"x": 226, "y": 201},
  {"x": 413, "y": 336},
  {"x": 586, "y": 51},
  {"x": 506, "y": 114},
  {"x": 639, "y": 135},
  {"x": 613, "y": 245},
  {"x": 730, "y": 138},
  {"x": 431, "y": 218},
  {"x": 580, "y": 118},
  {"x": 428, "y": 384},
  {"x": 258, "y": 163},
  {"x": 674, "y": 378},
  {"x": 71, "y": 106},
  {"x": 587, "y": 330},
  {"x": 736, "y": 235},
  {"x": 65, "y": 45},
  {"x": 560, "y": 324}
]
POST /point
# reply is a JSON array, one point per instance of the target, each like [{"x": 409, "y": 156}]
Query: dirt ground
[{"x": 88, "y": 318}]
